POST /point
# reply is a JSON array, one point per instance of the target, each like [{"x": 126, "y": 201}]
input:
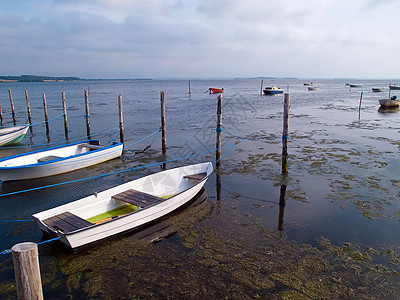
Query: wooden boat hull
[
  {"x": 310, "y": 88},
  {"x": 377, "y": 90},
  {"x": 157, "y": 185},
  {"x": 56, "y": 160},
  {"x": 393, "y": 87},
  {"x": 12, "y": 135},
  {"x": 389, "y": 102},
  {"x": 216, "y": 90}
]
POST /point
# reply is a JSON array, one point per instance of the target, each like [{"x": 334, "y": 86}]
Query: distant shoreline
[{"x": 35, "y": 78}]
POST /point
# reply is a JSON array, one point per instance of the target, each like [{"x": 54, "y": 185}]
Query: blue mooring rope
[
  {"x": 40, "y": 243},
  {"x": 9, "y": 221}
]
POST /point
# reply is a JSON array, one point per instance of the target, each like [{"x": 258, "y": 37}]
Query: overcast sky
[{"x": 201, "y": 38}]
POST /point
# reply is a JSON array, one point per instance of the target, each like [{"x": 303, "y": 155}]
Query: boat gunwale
[{"x": 115, "y": 144}]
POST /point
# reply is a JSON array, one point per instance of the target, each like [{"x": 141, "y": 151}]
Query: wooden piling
[
  {"x": 12, "y": 107},
  {"x": 189, "y": 88},
  {"x": 163, "y": 129},
  {"x": 121, "y": 120},
  {"x": 219, "y": 130},
  {"x": 64, "y": 105},
  {"x": 1, "y": 116},
  {"x": 46, "y": 118},
  {"x": 285, "y": 132},
  {"x": 87, "y": 114},
  {"x": 359, "y": 106},
  {"x": 27, "y": 271},
  {"x": 29, "y": 110},
  {"x": 261, "y": 90}
]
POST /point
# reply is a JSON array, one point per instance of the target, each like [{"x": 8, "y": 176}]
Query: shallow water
[{"x": 342, "y": 183}]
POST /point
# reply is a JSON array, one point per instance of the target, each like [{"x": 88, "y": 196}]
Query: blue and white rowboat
[
  {"x": 12, "y": 135},
  {"x": 57, "y": 160}
]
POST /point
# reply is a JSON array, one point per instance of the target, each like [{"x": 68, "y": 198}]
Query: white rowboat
[
  {"x": 12, "y": 135},
  {"x": 57, "y": 160},
  {"x": 124, "y": 207}
]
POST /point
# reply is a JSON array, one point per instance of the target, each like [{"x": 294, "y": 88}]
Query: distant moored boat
[
  {"x": 216, "y": 90},
  {"x": 272, "y": 90}
]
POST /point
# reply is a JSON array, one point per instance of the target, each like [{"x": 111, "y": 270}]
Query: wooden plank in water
[
  {"x": 66, "y": 222},
  {"x": 138, "y": 198},
  {"x": 198, "y": 176}
]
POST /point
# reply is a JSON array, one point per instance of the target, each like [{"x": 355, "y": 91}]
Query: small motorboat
[
  {"x": 125, "y": 207},
  {"x": 214, "y": 90},
  {"x": 308, "y": 84},
  {"x": 355, "y": 85},
  {"x": 272, "y": 90},
  {"x": 378, "y": 90},
  {"x": 57, "y": 160},
  {"x": 12, "y": 135},
  {"x": 313, "y": 88},
  {"x": 391, "y": 102}
]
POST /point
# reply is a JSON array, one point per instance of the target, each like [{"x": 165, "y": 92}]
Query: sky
[{"x": 116, "y": 39}]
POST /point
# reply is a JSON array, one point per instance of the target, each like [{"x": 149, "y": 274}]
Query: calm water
[{"x": 344, "y": 167}]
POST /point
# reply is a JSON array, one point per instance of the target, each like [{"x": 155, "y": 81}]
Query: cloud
[{"x": 228, "y": 36}]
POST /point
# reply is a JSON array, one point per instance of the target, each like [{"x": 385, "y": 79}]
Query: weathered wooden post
[
  {"x": 285, "y": 133},
  {"x": 359, "y": 106},
  {"x": 219, "y": 130},
  {"x": 189, "y": 87},
  {"x": 121, "y": 120},
  {"x": 87, "y": 114},
  {"x": 163, "y": 129},
  {"x": 12, "y": 107},
  {"x": 46, "y": 118},
  {"x": 1, "y": 116},
  {"x": 262, "y": 81},
  {"x": 29, "y": 110},
  {"x": 27, "y": 271},
  {"x": 64, "y": 105}
]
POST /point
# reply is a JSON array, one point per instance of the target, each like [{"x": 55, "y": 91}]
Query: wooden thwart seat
[
  {"x": 198, "y": 176},
  {"x": 138, "y": 198},
  {"x": 48, "y": 158},
  {"x": 66, "y": 222}
]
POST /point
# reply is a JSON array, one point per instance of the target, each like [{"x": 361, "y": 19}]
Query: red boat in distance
[{"x": 216, "y": 90}]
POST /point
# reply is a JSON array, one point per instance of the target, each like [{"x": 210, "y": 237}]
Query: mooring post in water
[
  {"x": 29, "y": 110},
  {"x": 262, "y": 82},
  {"x": 121, "y": 120},
  {"x": 64, "y": 105},
  {"x": 46, "y": 118},
  {"x": 1, "y": 116},
  {"x": 285, "y": 132},
  {"x": 27, "y": 271},
  {"x": 359, "y": 106},
  {"x": 12, "y": 107},
  {"x": 163, "y": 129},
  {"x": 189, "y": 87},
  {"x": 87, "y": 114},
  {"x": 219, "y": 130}
]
